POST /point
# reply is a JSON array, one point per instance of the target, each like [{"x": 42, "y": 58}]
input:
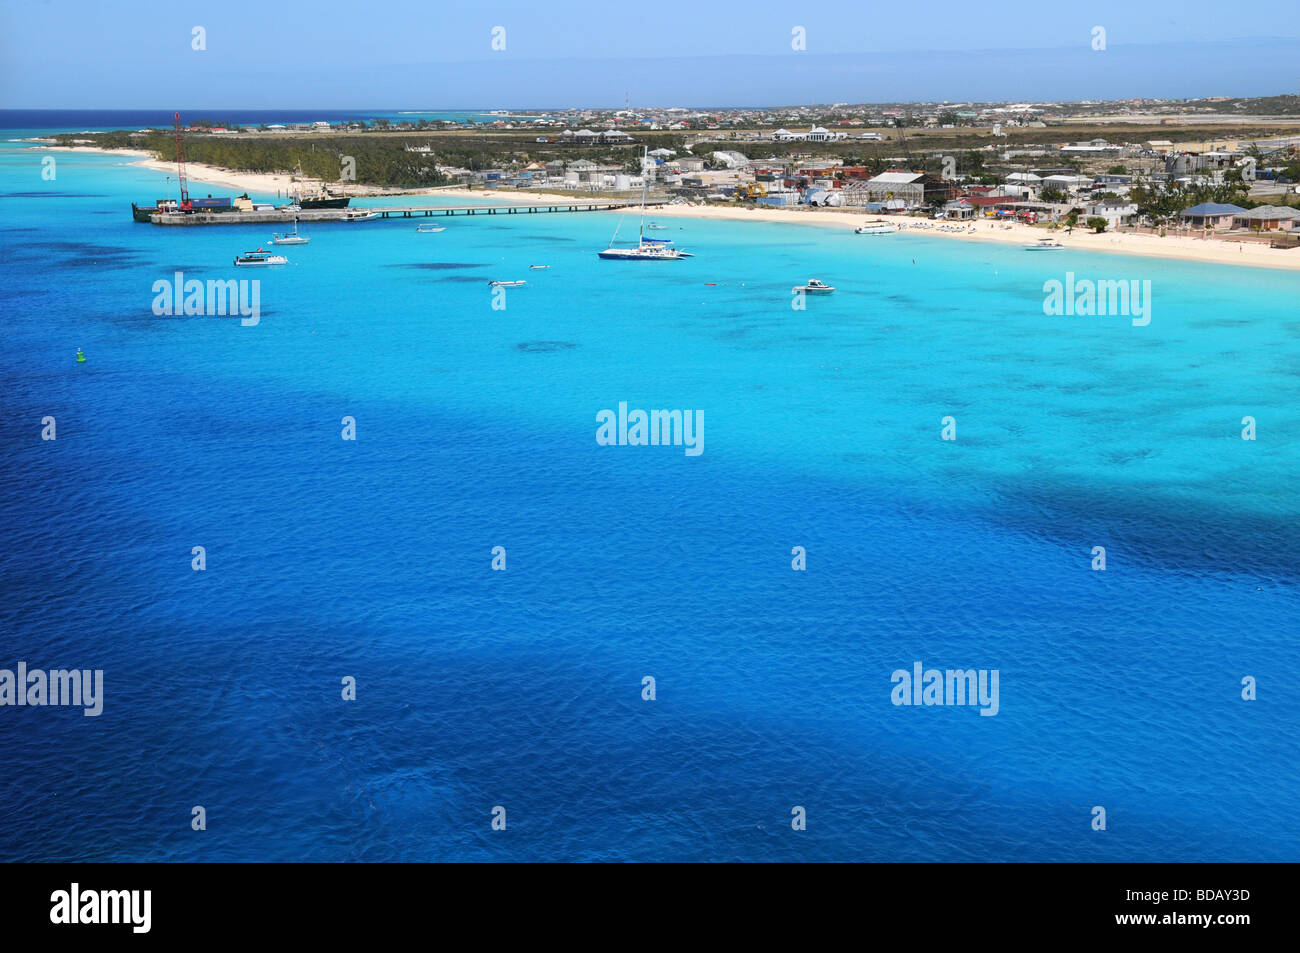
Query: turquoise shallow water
[{"x": 476, "y": 428}]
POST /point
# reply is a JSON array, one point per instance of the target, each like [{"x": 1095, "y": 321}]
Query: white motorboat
[
  {"x": 1044, "y": 244},
  {"x": 506, "y": 284},
  {"x": 538, "y": 267},
  {"x": 426, "y": 229},
  {"x": 876, "y": 228},
  {"x": 814, "y": 287},
  {"x": 259, "y": 257}
]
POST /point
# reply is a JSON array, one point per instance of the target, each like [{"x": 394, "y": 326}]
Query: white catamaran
[{"x": 646, "y": 249}]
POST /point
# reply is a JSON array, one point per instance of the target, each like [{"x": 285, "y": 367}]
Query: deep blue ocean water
[
  {"x": 476, "y": 428},
  {"x": 48, "y": 121}
]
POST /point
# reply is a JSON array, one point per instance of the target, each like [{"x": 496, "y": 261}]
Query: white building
[
  {"x": 1069, "y": 184},
  {"x": 814, "y": 134},
  {"x": 1115, "y": 215}
]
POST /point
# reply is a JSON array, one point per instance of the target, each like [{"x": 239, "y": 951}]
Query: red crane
[{"x": 180, "y": 164}]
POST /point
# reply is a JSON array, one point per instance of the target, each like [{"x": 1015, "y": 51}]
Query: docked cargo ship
[{"x": 142, "y": 213}]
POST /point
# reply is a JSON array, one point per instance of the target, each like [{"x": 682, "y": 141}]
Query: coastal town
[{"x": 1217, "y": 168}]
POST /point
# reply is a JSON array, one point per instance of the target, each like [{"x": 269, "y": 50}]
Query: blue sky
[{"x": 434, "y": 54}]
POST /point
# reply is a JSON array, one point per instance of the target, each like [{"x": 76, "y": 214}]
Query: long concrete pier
[{"x": 282, "y": 216}]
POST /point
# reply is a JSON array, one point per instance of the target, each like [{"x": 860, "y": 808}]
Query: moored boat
[
  {"x": 143, "y": 213},
  {"x": 426, "y": 229},
  {"x": 1044, "y": 244},
  {"x": 646, "y": 249},
  {"x": 321, "y": 198},
  {"x": 814, "y": 287},
  {"x": 876, "y": 228},
  {"x": 290, "y": 239},
  {"x": 506, "y": 284},
  {"x": 259, "y": 257}
]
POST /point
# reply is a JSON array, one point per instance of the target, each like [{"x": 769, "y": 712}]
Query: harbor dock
[{"x": 283, "y": 216}]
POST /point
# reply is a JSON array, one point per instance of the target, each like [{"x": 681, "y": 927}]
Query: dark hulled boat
[
  {"x": 142, "y": 213},
  {"x": 321, "y": 199},
  {"x": 332, "y": 202}
]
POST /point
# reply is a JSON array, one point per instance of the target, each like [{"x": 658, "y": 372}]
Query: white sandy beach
[
  {"x": 255, "y": 183},
  {"x": 1188, "y": 247},
  {"x": 1184, "y": 246}
]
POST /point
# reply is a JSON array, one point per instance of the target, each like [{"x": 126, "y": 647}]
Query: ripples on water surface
[{"x": 475, "y": 429}]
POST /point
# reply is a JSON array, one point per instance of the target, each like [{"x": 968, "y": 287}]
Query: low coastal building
[
  {"x": 959, "y": 210},
  {"x": 1115, "y": 215},
  {"x": 1268, "y": 218},
  {"x": 1211, "y": 215},
  {"x": 993, "y": 205}
]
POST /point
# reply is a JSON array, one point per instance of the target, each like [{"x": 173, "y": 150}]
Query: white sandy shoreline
[
  {"x": 1179, "y": 246},
  {"x": 261, "y": 183},
  {"x": 1185, "y": 247}
]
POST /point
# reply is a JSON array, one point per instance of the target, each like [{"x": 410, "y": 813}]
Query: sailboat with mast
[
  {"x": 290, "y": 239},
  {"x": 646, "y": 249}
]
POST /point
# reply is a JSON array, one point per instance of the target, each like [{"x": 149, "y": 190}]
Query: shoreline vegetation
[{"x": 1175, "y": 243}]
